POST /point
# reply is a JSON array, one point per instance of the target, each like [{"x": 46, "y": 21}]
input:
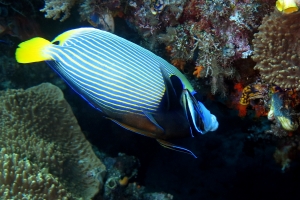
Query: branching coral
[
  {"x": 54, "y": 9},
  {"x": 214, "y": 34},
  {"x": 189, "y": 42},
  {"x": 44, "y": 154},
  {"x": 277, "y": 50},
  {"x": 198, "y": 70}
]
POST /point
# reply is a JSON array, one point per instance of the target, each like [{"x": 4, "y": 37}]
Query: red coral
[
  {"x": 260, "y": 110},
  {"x": 238, "y": 87},
  {"x": 192, "y": 11},
  {"x": 242, "y": 110},
  {"x": 235, "y": 100}
]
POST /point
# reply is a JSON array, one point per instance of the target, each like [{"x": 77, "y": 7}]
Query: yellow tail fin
[{"x": 31, "y": 50}]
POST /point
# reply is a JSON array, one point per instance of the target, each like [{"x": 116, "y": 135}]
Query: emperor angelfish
[{"x": 130, "y": 85}]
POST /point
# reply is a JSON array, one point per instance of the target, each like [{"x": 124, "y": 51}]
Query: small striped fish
[{"x": 132, "y": 86}]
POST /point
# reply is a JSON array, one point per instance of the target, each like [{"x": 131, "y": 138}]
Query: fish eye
[{"x": 56, "y": 42}]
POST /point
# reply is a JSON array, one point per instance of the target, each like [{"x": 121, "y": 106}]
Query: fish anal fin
[
  {"x": 133, "y": 129},
  {"x": 175, "y": 147}
]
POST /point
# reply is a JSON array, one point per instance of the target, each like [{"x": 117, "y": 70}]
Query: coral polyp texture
[
  {"x": 277, "y": 50},
  {"x": 44, "y": 154}
]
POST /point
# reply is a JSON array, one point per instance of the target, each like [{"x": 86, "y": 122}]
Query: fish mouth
[{"x": 197, "y": 114}]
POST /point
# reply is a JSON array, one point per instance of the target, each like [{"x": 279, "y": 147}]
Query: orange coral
[
  {"x": 179, "y": 63},
  {"x": 118, "y": 14},
  {"x": 198, "y": 70},
  {"x": 124, "y": 181}
]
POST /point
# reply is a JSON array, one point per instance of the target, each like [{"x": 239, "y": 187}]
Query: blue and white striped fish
[{"x": 131, "y": 86}]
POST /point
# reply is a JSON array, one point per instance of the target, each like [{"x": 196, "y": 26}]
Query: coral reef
[
  {"x": 209, "y": 41},
  {"x": 44, "y": 154},
  {"x": 256, "y": 95},
  {"x": 283, "y": 113},
  {"x": 212, "y": 34},
  {"x": 276, "y": 50},
  {"x": 54, "y": 9},
  {"x": 121, "y": 179},
  {"x": 279, "y": 105},
  {"x": 282, "y": 108},
  {"x": 150, "y": 18},
  {"x": 100, "y": 14},
  {"x": 120, "y": 170}
]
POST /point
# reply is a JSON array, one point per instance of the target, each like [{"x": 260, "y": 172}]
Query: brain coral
[
  {"x": 277, "y": 50},
  {"x": 43, "y": 153}
]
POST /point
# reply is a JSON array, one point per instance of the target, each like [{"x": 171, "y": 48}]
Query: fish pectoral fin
[
  {"x": 135, "y": 130},
  {"x": 175, "y": 147},
  {"x": 151, "y": 118}
]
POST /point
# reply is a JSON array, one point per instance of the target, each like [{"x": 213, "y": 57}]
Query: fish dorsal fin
[
  {"x": 151, "y": 118},
  {"x": 135, "y": 130},
  {"x": 174, "y": 147},
  {"x": 172, "y": 98},
  {"x": 62, "y": 38}
]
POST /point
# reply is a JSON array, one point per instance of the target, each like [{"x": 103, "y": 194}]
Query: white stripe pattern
[{"x": 110, "y": 72}]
